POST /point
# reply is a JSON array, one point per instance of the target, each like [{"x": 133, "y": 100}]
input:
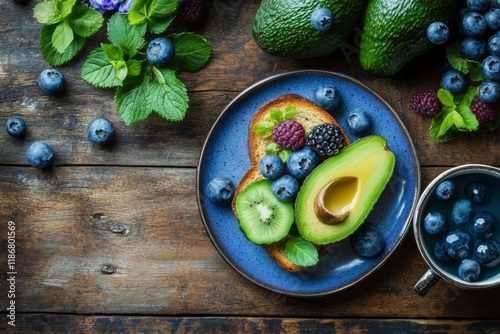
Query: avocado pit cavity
[{"x": 334, "y": 202}]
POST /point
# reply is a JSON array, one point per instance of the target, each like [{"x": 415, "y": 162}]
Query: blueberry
[
  {"x": 438, "y": 32},
  {"x": 445, "y": 189},
  {"x": 321, "y": 19},
  {"x": 434, "y": 223},
  {"x": 440, "y": 252},
  {"x": 474, "y": 24},
  {"x": 327, "y": 97},
  {"x": 16, "y": 127},
  {"x": 160, "y": 51},
  {"x": 271, "y": 166},
  {"x": 493, "y": 45},
  {"x": 367, "y": 241},
  {"x": 359, "y": 122},
  {"x": 483, "y": 225},
  {"x": 100, "y": 130},
  {"x": 220, "y": 190},
  {"x": 488, "y": 253},
  {"x": 489, "y": 91},
  {"x": 454, "y": 81},
  {"x": 300, "y": 163},
  {"x": 478, "y": 192},
  {"x": 490, "y": 68},
  {"x": 461, "y": 211},
  {"x": 285, "y": 188},
  {"x": 469, "y": 270},
  {"x": 492, "y": 17},
  {"x": 51, "y": 81},
  {"x": 458, "y": 245},
  {"x": 39, "y": 155},
  {"x": 473, "y": 48},
  {"x": 477, "y": 5}
]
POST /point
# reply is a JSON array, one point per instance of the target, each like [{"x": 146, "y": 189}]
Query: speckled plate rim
[{"x": 248, "y": 92}]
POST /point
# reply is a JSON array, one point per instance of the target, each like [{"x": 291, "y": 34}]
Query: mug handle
[{"x": 426, "y": 282}]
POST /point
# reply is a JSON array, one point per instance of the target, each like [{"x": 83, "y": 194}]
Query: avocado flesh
[
  {"x": 283, "y": 27},
  {"x": 395, "y": 32},
  {"x": 370, "y": 162}
]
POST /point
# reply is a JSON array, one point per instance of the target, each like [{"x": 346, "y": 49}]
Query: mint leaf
[
  {"x": 134, "y": 67},
  {"x": 113, "y": 52},
  {"x": 98, "y": 71},
  {"x": 132, "y": 99},
  {"x": 67, "y": 7},
  {"x": 50, "y": 54},
  {"x": 137, "y": 13},
  {"x": 48, "y": 12},
  {"x": 191, "y": 51},
  {"x": 263, "y": 129},
  {"x": 455, "y": 58},
  {"x": 85, "y": 21},
  {"x": 62, "y": 37},
  {"x": 445, "y": 97},
  {"x": 129, "y": 37},
  {"x": 275, "y": 116},
  {"x": 475, "y": 72},
  {"x": 158, "y": 14},
  {"x": 168, "y": 97},
  {"x": 290, "y": 112},
  {"x": 301, "y": 252}
]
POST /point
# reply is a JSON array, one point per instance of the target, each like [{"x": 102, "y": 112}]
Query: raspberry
[
  {"x": 191, "y": 11},
  {"x": 425, "y": 102},
  {"x": 289, "y": 134},
  {"x": 326, "y": 139},
  {"x": 484, "y": 112}
]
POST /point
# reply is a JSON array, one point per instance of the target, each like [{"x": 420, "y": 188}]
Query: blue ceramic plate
[{"x": 225, "y": 154}]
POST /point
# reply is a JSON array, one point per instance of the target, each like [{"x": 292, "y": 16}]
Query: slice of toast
[{"x": 309, "y": 115}]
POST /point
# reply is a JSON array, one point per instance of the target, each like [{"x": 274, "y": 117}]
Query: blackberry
[
  {"x": 191, "y": 12},
  {"x": 289, "y": 134},
  {"x": 326, "y": 139},
  {"x": 484, "y": 112},
  {"x": 425, "y": 102}
]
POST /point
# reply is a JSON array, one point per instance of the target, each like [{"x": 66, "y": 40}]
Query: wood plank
[
  {"x": 122, "y": 240},
  {"x": 53, "y": 323}
]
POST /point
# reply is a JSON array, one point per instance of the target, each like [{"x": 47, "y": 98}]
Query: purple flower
[
  {"x": 125, "y": 6},
  {"x": 103, "y": 6}
]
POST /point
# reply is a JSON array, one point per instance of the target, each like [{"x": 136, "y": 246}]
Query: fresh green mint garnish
[
  {"x": 466, "y": 66},
  {"x": 455, "y": 116},
  {"x": 276, "y": 116},
  {"x": 121, "y": 64},
  {"x": 274, "y": 148},
  {"x": 301, "y": 252}
]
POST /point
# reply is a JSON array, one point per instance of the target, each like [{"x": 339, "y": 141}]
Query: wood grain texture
[{"x": 110, "y": 239}]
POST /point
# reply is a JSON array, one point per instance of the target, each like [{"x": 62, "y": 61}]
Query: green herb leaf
[
  {"x": 290, "y": 112},
  {"x": 168, "y": 97},
  {"x": 134, "y": 67},
  {"x": 113, "y": 52},
  {"x": 85, "y": 21},
  {"x": 273, "y": 148},
  {"x": 191, "y": 52},
  {"x": 98, "y": 70},
  {"x": 62, "y": 37},
  {"x": 158, "y": 14},
  {"x": 475, "y": 70},
  {"x": 275, "y": 116},
  {"x": 48, "y": 12},
  {"x": 446, "y": 98},
  {"x": 129, "y": 37},
  {"x": 50, "y": 54},
  {"x": 67, "y": 7},
  {"x": 301, "y": 252},
  {"x": 455, "y": 58},
  {"x": 263, "y": 129},
  {"x": 132, "y": 99}
]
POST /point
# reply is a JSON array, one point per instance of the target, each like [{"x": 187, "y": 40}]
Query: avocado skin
[
  {"x": 283, "y": 28},
  {"x": 395, "y": 32}
]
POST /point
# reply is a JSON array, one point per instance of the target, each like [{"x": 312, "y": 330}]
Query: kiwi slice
[{"x": 263, "y": 218}]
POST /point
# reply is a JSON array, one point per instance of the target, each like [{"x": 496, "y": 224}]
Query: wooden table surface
[{"x": 110, "y": 239}]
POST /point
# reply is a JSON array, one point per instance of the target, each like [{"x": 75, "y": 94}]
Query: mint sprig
[
  {"x": 66, "y": 25},
  {"x": 157, "y": 14},
  {"x": 142, "y": 88},
  {"x": 301, "y": 252}
]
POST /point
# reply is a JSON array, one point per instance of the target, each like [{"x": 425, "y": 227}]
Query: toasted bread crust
[{"x": 309, "y": 115}]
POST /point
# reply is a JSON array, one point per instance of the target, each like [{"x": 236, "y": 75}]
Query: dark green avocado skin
[
  {"x": 395, "y": 32},
  {"x": 283, "y": 27}
]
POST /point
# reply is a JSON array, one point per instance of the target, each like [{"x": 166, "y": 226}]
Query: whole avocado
[
  {"x": 283, "y": 27},
  {"x": 395, "y": 32}
]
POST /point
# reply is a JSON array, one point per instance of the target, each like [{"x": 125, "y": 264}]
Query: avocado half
[{"x": 363, "y": 168}]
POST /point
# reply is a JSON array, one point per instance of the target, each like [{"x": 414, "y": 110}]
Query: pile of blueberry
[
  {"x": 464, "y": 236},
  {"x": 478, "y": 29},
  {"x": 40, "y": 154}
]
